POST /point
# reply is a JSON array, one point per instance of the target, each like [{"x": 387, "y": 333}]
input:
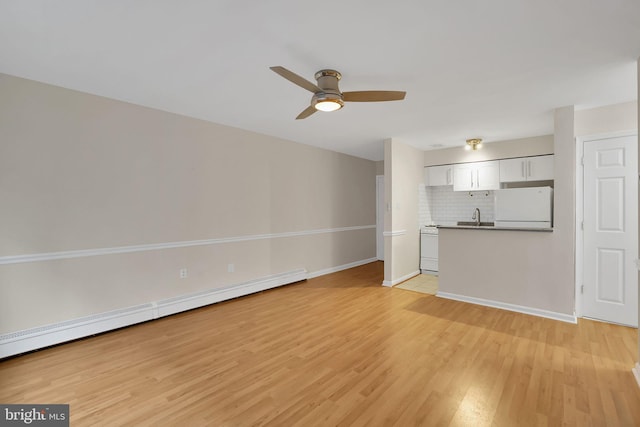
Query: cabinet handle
[
  {"x": 529, "y": 169},
  {"x": 522, "y": 168},
  {"x": 471, "y": 179}
]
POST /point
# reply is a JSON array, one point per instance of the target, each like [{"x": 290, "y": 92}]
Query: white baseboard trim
[
  {"x": 390, "y": 283},
  {"x": 340, "y": 267},
  {"x": 636, "y": 373},
  {"x": 19, "y": 342},
  {"x": 511, "y": 307},
  {"x": 189, "y": 302}
]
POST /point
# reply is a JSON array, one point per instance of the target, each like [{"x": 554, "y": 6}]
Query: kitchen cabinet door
[
  {"x": 439, "y": 175},
  {"x": 513, "y": 170},
  {"x": 539, "y": 168},
  {"x": 463, "y": 177},
  {"x": 476, "y": 176},
  {"x": 488, "y": 175}
]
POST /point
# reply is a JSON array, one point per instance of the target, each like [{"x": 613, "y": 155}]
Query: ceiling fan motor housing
[{"x": 328, "y": 82}]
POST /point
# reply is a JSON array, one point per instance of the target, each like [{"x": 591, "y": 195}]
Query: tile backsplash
[{"x": 441, "y": 204}]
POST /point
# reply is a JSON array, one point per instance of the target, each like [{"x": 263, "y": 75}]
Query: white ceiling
[{"x": 494, "y": 69}]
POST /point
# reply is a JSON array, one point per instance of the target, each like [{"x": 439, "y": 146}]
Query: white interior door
[
  {"x": 380, "y": 217},
  {"x": 610, "y": 279}
]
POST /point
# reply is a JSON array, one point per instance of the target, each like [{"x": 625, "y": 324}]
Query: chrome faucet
[{"x": 476, "y": 216}]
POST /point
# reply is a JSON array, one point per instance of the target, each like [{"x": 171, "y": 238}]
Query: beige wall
[
  {"x": 403, "y": 175},
  {"x": 380, "y": 167},
  {"x": 81, "y": 172},
  {"x": 523, "y": 147},
  {"x": 610, "y": 118},
  {"x": 531, "y": 269}
]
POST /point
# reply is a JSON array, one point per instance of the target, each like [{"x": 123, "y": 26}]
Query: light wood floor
[{"x": 339, "y": 350}]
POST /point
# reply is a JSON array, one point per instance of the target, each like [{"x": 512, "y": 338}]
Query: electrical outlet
[
  {"x": 231, "y": 268},
  {"x": 184, "y": 273}
]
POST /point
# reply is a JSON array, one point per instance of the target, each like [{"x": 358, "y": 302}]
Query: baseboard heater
[{"x": 19, "y": 342}]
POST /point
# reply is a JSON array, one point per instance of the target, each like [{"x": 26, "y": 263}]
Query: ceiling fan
[{"x": 327, "y": 95}]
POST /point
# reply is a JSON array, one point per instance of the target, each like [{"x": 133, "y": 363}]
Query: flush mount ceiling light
[{"x": 473, "y": 144}]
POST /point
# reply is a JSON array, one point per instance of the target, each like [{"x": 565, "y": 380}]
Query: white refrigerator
[{"x": 530, "y": 207}]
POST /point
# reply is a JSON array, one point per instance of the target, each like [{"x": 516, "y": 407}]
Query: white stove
[
  {"x": 429, "y": 249},
  {"x": 429, "y": 229}
]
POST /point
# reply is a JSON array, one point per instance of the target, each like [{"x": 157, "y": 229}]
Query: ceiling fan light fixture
[
  {"x": 328, "y": 105},
  {"x": 473, "y": 144},
  {"x": 327, "y": 96}
]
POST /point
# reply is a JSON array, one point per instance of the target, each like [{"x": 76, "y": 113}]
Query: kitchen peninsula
[{"x": 499, "y": 267}]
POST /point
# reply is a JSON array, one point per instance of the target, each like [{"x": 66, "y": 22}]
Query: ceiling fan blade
[
  {"x": 373, "y": 96},
  {"x": 294, "y": 78},
  {"x": 307, "y": 112}
]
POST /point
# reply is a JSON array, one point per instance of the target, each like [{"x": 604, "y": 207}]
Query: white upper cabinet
[
  {"x": 476, "y": 176},
  {"x": 539, "y": 168},
  {"x": 438, "y": 175}
]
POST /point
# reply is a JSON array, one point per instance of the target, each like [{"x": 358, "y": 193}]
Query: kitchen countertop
[{"x": 474, "y": 227}]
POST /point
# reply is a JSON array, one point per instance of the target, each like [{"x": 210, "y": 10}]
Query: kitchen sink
[{"x": 474, "y": 224}]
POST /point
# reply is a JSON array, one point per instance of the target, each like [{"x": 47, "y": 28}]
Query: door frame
[{"x": 579, "y": 197}]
